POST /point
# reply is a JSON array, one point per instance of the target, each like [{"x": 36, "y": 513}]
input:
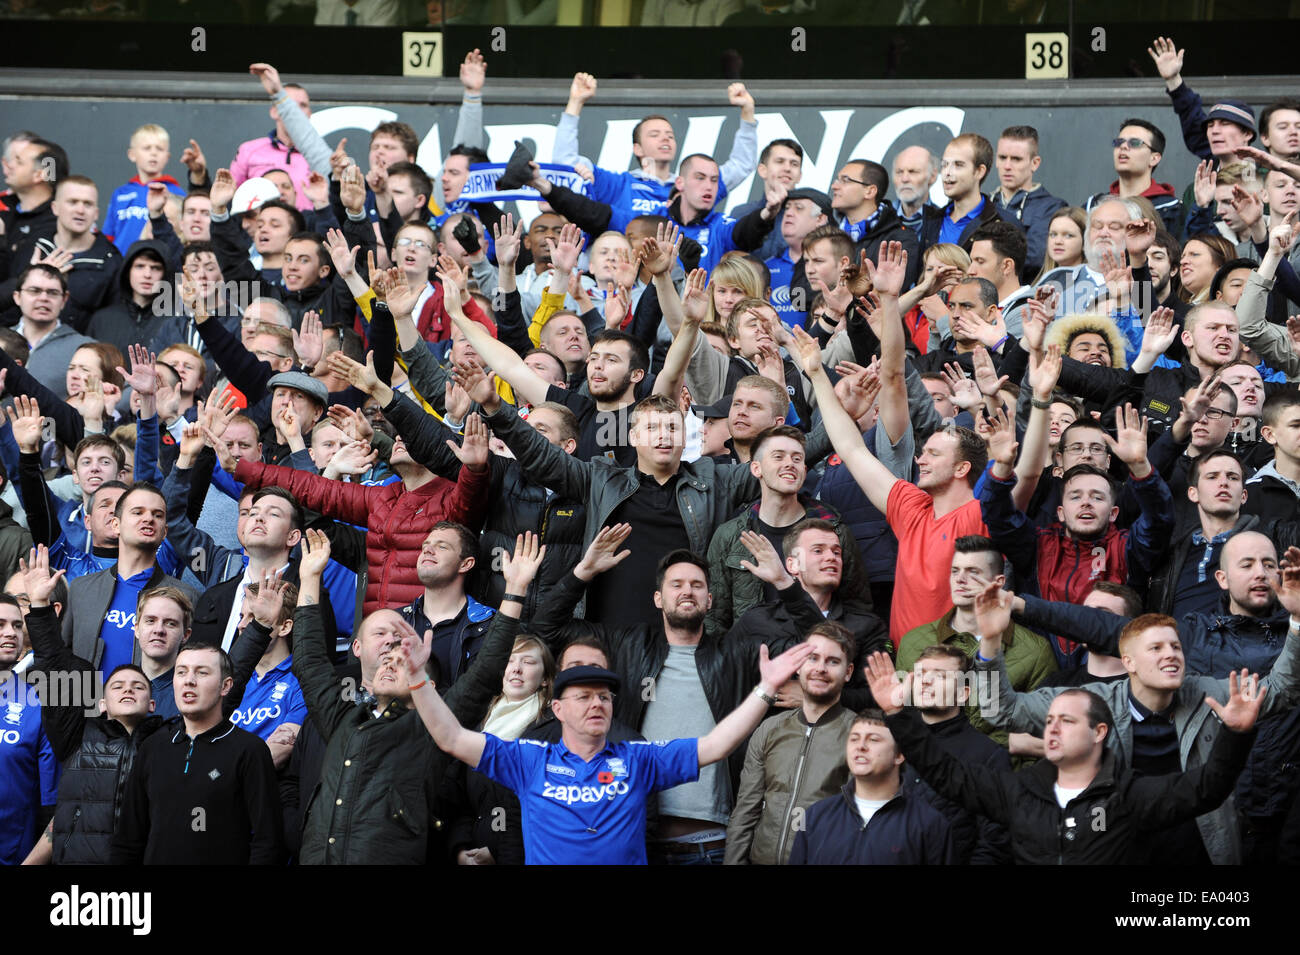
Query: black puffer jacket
[
  {"x": 524, "y": 506},
  {"x": 377, "y": 800}
]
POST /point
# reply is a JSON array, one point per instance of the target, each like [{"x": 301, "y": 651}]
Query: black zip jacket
[{"x": 1101, "y": 825}]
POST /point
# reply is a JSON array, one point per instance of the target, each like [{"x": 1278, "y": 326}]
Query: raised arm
[
  {"x": 888, "y": 284},
  {"x": 500, "y": 357},
  {"x": 735, "y": 728},
  {"x": 874, "y": 478},
  {"x": 305, "y": 138}
]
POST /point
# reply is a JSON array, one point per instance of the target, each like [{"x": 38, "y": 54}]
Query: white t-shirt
[
  {"x": 868, "y": 807},
  {"x": 1063, "y": 796}
]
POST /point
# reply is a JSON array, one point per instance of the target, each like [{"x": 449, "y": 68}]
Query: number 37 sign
[
  {"x": 1047, "y": 56},
  {"x": 422, "y": 54}
]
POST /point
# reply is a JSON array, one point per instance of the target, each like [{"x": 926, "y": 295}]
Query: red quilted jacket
[{"x": 396, "y": 520}]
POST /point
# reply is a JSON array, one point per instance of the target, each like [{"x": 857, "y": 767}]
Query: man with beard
[
  {"x": 458, "y": 621},
  {"x": 1062, "y": 560},
  {"x": 795, "y": 759},
  {"x": 697, "y": 677}
]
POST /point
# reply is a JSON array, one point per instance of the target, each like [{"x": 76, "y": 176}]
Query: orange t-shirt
[{"x": 925, "y": 548}]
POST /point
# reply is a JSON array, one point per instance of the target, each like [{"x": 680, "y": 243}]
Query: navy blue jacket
[{"x": 907, "y": 830}]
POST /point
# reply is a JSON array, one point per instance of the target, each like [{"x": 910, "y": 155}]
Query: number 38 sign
[{"x": 1047, "y": 56}]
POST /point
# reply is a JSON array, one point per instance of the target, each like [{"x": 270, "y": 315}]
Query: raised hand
[
  {"x": 891, "y": 269},
  {"x": 508, "y": 236},
  {"x": 191, "y": 444},
  {"x": 1205, "y": 181},
  {"x": 37, "y": 579},
  {"x": 1168, "y": 59},
  {"x": 520, "y": 568},
  {"x": 339, "y": 159},
  {"x": 269, "y": 77},
  {"x": 769, "y": 364},
  {"x": 965, "y": 393},
  {"x": 603, "y": 552},
  {"x": 1044, "y": 372},
  {"x": 268, "y": 602},
  {"x": 315, "y": 553},
  {"x": 737, "y": 95},
  {"x": 1249, "y": 206},
  {"x": 774, "y": 195},
  {"x": 222, "y": 190},
  {"x": 838, "y": 299},
  {"x": 415, "y": 651},
  {"x": 57, "y": 258},
  {"x": 317, "y": 190},
  {"x": 891, "y": 694},
  {"x": 218, "y": 411},
  {"x": 582, "y": 88},
  {"x": 456, "y": 400},
  {"x": 1194, "y": 410},
  {"x": 473, "y": 453},
  {"x": 287, "y": 427},
  {"x": 352, "y": 189},
  {"x": 1138, "y": 238},
  {"x": 564, "y": 251},
  {"x": 695, "y": 297},
  {"x": 993, "y": 611},
  {"x": 450, "y": 271},
  {"x": 224, "y": 455},
  {"x": 808, "y": 352},
  {"x": 1130, "y": 441},
  {"x": 775, "y": 671},
  {"x": 344, "y": 258},
  {"x": 402, "y": 296},
  {"x": 471, "y": 377},
  {"x": 986, "y": 376},
  {"x": 309, "y": 342},
  {"x": 1002, "y": 439},
  {"x": 858, "y": 391},
  {"x": 356, "y": 374},
  {"x": 192, "y": 158},
  {"x": 355, "y": 457},
  {"x": 767, "y": 565},
  {"x": 1279, "y": 238},
  {"x": 1159, "y": 333},
  {"x": 473, "y": 71},
  {"x": 351, "y": 422},
  {"x": 1035, "y": 318},
  {"x": 143, "y": 378},
  {"x": 1245, "y": 697},
  {"x": 155, "y": 201},
  {"x": 1287, "y": 588},
  {"x": 617, "y": 304}
]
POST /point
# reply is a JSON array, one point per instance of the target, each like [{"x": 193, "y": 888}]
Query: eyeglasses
[
  {"x": 265, "y": 355},
  {"x": 585, "y": 698},
  {"x": 1132, "y": 143},
  {"x": 1215, "y": 414},
  {"x": 36, "y": 290},
  {"x": 845, "y": 180},
  {"x": 406, "y": 240},
  {"x": 1079, "y": 448}
]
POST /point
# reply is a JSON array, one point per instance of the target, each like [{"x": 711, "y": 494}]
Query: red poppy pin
[{"x": 604, "y": 778}]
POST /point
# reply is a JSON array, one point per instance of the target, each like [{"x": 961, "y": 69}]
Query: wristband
[
  {"x": 767, "y": 698},
  {"x": 1040, "y": 404},
  {"x": 1001, "y": 341},
  {"x": 982, "y": 658},
  {"x": 416, "y": 686},
  {"x": 515, "y": 597}
]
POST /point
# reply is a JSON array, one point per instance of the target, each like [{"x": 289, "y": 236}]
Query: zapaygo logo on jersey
[
  {"x": 13, "y": 713},
  {"x": 648, "y": 206},
  {"x": 584, "y": 794}
]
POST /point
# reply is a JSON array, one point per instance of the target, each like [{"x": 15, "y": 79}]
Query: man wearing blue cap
[{"x": 583, "y": 798}]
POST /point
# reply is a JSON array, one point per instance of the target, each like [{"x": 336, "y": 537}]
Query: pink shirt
[{"x": 259, "y": 156}]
